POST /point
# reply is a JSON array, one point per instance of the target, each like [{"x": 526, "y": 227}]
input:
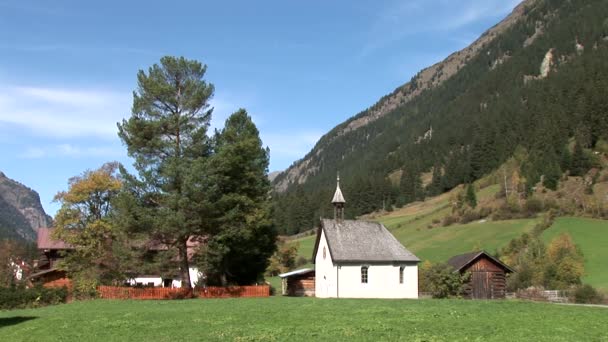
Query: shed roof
[
  {"x": 296, "y": 272},
  {"x": 362, "y": 241},
  {"x": 45, "y": 241},
  {"x": 460, "y": 262}
]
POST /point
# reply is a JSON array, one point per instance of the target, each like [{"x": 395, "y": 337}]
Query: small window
[
  {"x": 401, "y": 274},
  {"x": 364, "y": 274}
]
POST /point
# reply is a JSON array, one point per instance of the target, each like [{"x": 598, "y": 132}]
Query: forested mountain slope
[
  {"x": 536, "y": 83},
  {"x": 21, "y": 213}
]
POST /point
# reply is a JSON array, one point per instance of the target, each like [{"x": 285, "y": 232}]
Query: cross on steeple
[{"x": 338, "y": 202}]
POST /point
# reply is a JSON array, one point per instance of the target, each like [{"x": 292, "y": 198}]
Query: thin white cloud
[
  {"x": 72, "y": 151},
  {"x": 63, "y": 112},
  {"x": 402, "y": 19}
]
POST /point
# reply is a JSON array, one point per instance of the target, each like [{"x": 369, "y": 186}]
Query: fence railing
[
  {"x": 537, "y": 294},
  {"x": 114, "y": 292}
]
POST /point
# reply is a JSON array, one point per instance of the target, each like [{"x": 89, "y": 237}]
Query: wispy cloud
[
  {"x": 401, "y": 19},
  {"x": 63, "y": 112},
  {"x": 72, "y": 151}
]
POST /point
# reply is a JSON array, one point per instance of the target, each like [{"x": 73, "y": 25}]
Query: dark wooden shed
[
  {"x": 300, "y": 283},
  {"x": 487, "y": 274}
]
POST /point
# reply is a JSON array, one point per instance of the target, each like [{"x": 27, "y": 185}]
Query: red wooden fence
[{"x": 113, "y": 292}]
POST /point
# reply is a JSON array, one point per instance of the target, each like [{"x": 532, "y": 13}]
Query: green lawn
[
  {"x": 305, "y": 319},
  {"x": 439, "y": 244},
  {"x": 306, "y": 246},
  {"x": 592, "y": 237}
]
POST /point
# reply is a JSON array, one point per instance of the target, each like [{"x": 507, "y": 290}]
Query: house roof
[
  {"x": 41, "y": 273},
  {"x": 296, "y": 272},
  {"x": 459, "y": 262},
  {"x": 45, "y": 241},
  {"x": 361, "y": 241}
]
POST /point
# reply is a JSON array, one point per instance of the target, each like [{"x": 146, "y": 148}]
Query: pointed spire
[
  {"x": 338, "y": 202},
  {"x": 338, "y": 197}
]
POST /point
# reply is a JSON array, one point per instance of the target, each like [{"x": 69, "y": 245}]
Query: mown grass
[
  {"x": 305, "y": 319},
  {"x": 439, "y": 244},
  {"x": 592, "y": 237}
]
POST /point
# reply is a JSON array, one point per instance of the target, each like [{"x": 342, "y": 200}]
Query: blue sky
[{"x": 67, "y": 68}]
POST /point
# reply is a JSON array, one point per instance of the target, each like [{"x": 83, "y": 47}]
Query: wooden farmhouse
[
  {"x": 487, "y": 274},
  {"x": 360, "y": 259},
  {"x": 52, "y": 251}
]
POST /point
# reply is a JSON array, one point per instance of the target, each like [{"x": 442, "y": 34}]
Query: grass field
[
  {"x": 305, "y": 319},
  {"x": 592, "y": 237}
]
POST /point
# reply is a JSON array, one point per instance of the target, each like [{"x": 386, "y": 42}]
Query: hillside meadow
[
  {"x": 592, "y": 238},
  {"x": 305, "y": 319},
  {"x": 410, "y": 225}
]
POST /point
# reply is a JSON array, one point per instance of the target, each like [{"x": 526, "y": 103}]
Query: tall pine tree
[{"x": 166, "y": 135}]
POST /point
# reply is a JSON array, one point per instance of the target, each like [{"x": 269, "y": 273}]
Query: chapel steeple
[{"x": 338, "y": 202}]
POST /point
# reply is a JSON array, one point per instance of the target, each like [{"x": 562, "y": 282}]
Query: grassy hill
[
  {"x": 411, "y": 226},
  {"x": 305, "y": 319},
  {"x": 592, "y": 237}
]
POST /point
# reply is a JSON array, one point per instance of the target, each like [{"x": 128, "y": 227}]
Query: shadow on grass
[{"x": 8, "y": 321}]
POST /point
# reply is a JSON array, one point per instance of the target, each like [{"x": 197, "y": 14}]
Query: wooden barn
[
  {"x": 487, "y": 274},
  {"x": 300, "y": 283}
]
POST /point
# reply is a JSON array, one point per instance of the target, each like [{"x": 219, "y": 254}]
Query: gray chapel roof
[{"x": 362, "y": 241}]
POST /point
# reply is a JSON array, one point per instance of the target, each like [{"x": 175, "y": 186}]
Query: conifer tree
[
  {"x": 243, "y": 236},
  {"x": 166, "y": 135},
  {"x": 470, "y": 197},
  {"x": 580, "y": 163}
]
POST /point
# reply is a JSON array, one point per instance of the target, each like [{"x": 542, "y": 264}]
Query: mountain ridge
[
  {"x": 21, "y": 213},
  {"x": 425, "y": 79},
  {"x": 534, "y": 89}
]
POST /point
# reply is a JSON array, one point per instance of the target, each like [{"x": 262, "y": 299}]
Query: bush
[
  {"x": 450, "y": 220},
  {"x": 469, "y": 216},
  {"x": 586, "y": 294},
  {"x": 440, "y": 280},
  {"x": 20, "y": 297},
  {"x": 533, "y": 206},
  {"x": 301, "y": 261}
]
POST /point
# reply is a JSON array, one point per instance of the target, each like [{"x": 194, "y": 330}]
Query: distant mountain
[
  {"x": 273, "y": 175},
  {"x": 535, "y": 83},
  {"x": 21, "y": 213}
]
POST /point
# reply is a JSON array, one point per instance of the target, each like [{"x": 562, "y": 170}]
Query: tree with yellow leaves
[
  {"x": 84, "y": 221},
  {"x": 566, "y": 263}
]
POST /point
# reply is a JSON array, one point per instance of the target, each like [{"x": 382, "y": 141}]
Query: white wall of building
[
  {"x": 325, "y": 272},
  {"x": 195, "y": 275},
  {"x": 344, "y": 281},
  {"x": 383, "y": 281},
  {"x": 146, "y": 281}
]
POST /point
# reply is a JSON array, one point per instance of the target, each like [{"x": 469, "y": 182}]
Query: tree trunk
[{"x": 184, "y": 265}]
